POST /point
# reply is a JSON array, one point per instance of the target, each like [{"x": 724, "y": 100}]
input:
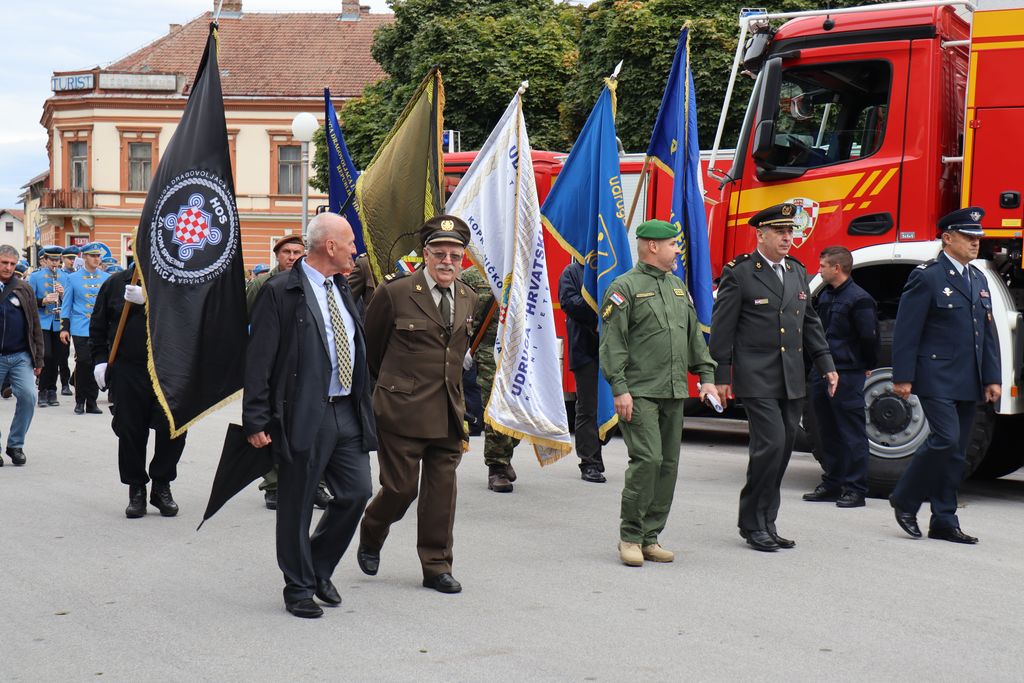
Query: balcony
[{"x": 66, "y": 199}]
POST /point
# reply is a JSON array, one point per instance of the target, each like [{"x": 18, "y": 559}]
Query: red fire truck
[{"x": 878, "y": 120}]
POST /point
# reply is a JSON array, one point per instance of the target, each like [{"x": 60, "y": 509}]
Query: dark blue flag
[
  {"x": 586, "y": 213},
  {"x": 341, "y": 173},
  {"x": 674, "y": 149}
]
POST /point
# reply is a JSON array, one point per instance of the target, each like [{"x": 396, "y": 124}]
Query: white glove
[
  {"x": 100, "y": 373},
  {"x": 134, "y": 294},
  {"x": 467, "y": 362}
]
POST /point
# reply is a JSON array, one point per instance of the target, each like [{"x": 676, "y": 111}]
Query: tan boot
[
  {"x": 655, "y": 553},
  {"x": 630, "y": 554}
]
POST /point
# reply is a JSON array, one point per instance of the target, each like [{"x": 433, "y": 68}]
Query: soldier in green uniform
[
  {"x": 287, "y": 251},
  {"x": 498, "y": 447},
  {"x": 649, "y": 339}
]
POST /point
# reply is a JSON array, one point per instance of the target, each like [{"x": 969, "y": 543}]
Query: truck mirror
[{"x": 767, "y": 109}]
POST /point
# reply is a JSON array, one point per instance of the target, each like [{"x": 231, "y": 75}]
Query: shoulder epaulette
[
  {"x": 930, "y": 262},
  {"x": 397, "y": 275},
  {"x": 739, "y": 259}
]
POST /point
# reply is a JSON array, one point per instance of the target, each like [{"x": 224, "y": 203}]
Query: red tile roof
[{"x": 271, "y": 55}]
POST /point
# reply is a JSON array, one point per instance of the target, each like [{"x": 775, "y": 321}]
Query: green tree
[{"x": 485, "y": 48}]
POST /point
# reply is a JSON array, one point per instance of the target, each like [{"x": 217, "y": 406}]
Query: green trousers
[
  {"x": 652, "y": 441},
  {"x": 498, "y": 447}
]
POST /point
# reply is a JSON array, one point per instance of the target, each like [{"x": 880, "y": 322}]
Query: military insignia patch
[
  {"x": 679, "y": 292},
  {"x": 983, "y": 294},
  {"x": 447, "y": 225},
  {"x": 607, "y": 311},
  {"x": 760, "y": 302},
  {"x": 758, "y": 265},
  {"x": 787, "y": 210},
  {"x": 644, "y": 295},
  {"x": 419, "y": 288},
  {"x": 616, "y": 298},
  {"x": 802, "y": 296},
  {"x": 975, "y": 216},
  {"x": 947, "y": 291}
]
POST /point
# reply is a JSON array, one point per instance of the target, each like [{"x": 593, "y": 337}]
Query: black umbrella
[{"x": 240, "y": 465}]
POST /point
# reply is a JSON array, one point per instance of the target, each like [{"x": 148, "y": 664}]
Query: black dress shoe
[
  {"x": 760, "y": 540},
  {"x": 906, "y": 520},
  {"x": 79, "y": 409},
  {"x": 783, "y": 543},
  {"x": 17, "y": 455},
  {"x": 136, "y": 502},
  {"x": 92, "y": 408},
  {"x": 161, "y": 499},
  {"x": 65, "y": 390},
  {"x": 822, "y": 494},
  {"x": 368, "y": 560},
  {"x": 305, "y": 608},
  {"x": 323, "y": 497},
  {"x": 51, "y": 397},
  {"x": 326, "y": 591},
  {"x": 443, "y": 583},
  {"x": 270, "y": 498},
  {"x": 952, "y": 533},
  {"x": 850, "y": 499},
  {"x": 592, "y": 474}
]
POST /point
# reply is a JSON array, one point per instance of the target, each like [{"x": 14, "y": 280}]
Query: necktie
[
  {"x": 445, "y": 307},
  {"x": 780, "y": 272},
  {"x": 967, "y": 280},
  {"x": 340, "y": 337}
]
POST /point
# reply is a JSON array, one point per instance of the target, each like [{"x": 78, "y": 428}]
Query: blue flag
[
  {"x": 674, "y": 148},
  {"x": 341, "y": 173},
  {"x": 586, "y": 212}
]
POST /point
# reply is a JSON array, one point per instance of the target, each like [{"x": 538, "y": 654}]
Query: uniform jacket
[
  {"x": 288, "y": 366},
  {"x": 80, "y": 292},
  {"x": 761, "y": 329},
  {"x": 43, "y": 281},
  {"x": 650, "y": 336},
  {"x": 945, "y": 340},
  {"x": 362, "y": 282},
  {"x": 27, "y": 303},
  {"x": 580, "y": 318},
  {"x": 253, "y": 287},
  {"x": 418, "y": 365},
  {"x": 850, "y": 320},
  {"x": 105, "y": 318}
]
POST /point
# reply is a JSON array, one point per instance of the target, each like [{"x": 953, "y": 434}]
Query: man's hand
[
  {"x": 992, "y": 393},
  {"x": 134, "y": 294},
  {"x": 100, "y": 374},
  {"x": 724, "y": 394},
  {"x": 624, "y": 406},
  {"x": 467, "y": 362},
  {"x": 903, "y": 389},
  {"x": 36, "y": 371},
  {"x": 65, "y": 338},
  {"x": 259, "y": 440},
  {"x": 51, "y": 298},
  {"x": 833, "y": 382}
]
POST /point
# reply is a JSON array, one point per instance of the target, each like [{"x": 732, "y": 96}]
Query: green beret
[{"x": 656, "y": 230}]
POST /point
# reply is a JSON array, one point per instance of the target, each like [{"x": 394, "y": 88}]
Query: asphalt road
[{"x": 87, "y": 594}]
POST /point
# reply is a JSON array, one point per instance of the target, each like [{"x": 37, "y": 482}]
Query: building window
[
  {"x": 140, "y": 166},
  {"x": 289, "y": 169},
  {"x": 79, "y": 153},
  {"x": 10, "y": 226}
]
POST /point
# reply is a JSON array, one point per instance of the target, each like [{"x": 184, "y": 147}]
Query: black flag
[{"x": 188, "y": 248}]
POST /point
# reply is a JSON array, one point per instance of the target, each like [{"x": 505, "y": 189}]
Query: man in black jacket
[
  {"x": 307, "y": 397},
  {"x": 581, "y": 327},
  {"x": 137, "y": 408}
]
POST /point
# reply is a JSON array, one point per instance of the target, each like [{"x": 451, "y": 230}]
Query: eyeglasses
[{"x": 453, "y": 256}]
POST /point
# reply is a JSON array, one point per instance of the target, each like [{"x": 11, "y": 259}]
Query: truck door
[{"x": 827, "y": 135}]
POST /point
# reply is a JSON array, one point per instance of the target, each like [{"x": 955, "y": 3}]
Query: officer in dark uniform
[
  {"x": 850, "y": 320},
  {"x": 758, "y": 294},
  {"x": 945, "y": 350}
]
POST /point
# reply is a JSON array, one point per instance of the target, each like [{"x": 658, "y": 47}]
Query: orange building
[{"x": 108, "y": 127}]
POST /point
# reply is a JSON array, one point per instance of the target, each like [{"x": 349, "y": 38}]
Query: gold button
[
  {"x": 783, "y": 349},
  {"x": 783, "y": 330}
]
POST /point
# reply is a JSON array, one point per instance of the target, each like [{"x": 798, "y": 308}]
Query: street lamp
[{"x": 303, "y": 127}]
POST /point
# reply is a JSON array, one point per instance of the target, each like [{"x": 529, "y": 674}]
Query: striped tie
[{"x": 340, "y": 337}]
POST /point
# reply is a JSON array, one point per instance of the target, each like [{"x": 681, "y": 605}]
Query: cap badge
[
  {"x": 787, "y": 209},
  {"x": 975, "y": 216},
  {"x": 447, "y": 225}
]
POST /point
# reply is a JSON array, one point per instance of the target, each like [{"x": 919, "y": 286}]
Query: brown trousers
[{"x": 399, "y": 460}]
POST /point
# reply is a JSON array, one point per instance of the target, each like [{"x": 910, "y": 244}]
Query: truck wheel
[{"x": 1004, "y": 453}]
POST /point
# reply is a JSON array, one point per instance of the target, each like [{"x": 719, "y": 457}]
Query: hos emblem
[{"x": 194, "y": 229}]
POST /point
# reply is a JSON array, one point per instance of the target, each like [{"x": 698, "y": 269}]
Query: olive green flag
[{"x": 401, "y": 188}]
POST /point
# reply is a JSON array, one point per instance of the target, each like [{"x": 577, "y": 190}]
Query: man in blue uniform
[
  {"x": 850, "y": 320},
  {"x": 80, "y": 293},
  {"x": 68, "y": 256},
  {"x": 945, "y": 351},
  {"x": 48, "y": 285}
]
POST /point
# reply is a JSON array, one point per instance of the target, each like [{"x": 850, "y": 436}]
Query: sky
[{"x": 63, "y": 35}]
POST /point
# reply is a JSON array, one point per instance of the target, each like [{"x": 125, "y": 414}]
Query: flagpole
[
  {"x": 636, "y": 194},
  {"x": 124, "y": 319},
  {"x": 216, "y": 15}
]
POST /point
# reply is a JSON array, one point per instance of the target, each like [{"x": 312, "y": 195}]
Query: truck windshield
[{"x": 831, "y": 113}]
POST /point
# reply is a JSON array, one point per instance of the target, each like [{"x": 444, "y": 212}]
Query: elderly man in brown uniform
[{"x": 418, "y": 328}]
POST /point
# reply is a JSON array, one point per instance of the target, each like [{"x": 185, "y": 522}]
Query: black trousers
[
  {"x": 842, "y": 431},
  {"x": 85, "y": 384},
  {"x": 588, "y": 445},
  {"x": 55, "y": 358},
  {"x": 938, "y": 465},
  {"x": 773, "y": 423},
  {"x": 138, "y": 412},
  {"x": 337, "y": 457}
]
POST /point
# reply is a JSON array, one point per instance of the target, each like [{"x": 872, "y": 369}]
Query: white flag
[{"x": 498, "y": 200}]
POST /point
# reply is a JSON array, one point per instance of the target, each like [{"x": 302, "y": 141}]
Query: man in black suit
[
  {"x": 307, "y": 396},
  {"x": 760, "y": 293}
]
